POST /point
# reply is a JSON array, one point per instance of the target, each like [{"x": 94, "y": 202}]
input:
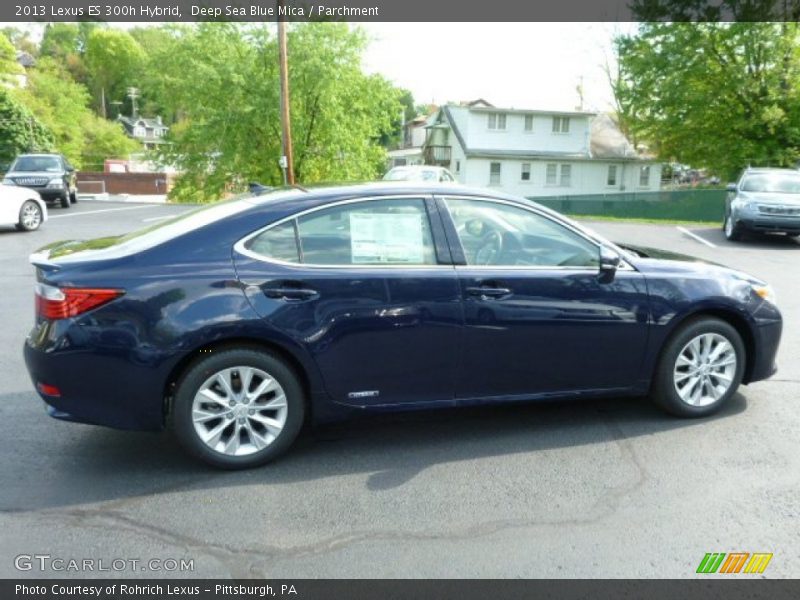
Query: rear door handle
[
  {"x": 488, "y": 292},
  {"x": 289, "y": 293}
]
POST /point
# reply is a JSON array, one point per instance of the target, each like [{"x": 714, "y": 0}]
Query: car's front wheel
[
  {"x": 700, "y": 368},
  {"x": 73, "y": 197},
  {"x": 732, "y": 229},
  {"x": 238, "y": 408},
  {"x": 64, "y": 200},
  {"x": 30, "y": 216}
]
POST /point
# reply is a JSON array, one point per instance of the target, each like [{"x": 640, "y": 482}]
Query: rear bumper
[{"x": 114, "y": 389}]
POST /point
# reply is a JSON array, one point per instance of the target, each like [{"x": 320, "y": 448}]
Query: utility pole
[
  {"x": 287, "y": 161},
  {"x": 133, "y": 94}
]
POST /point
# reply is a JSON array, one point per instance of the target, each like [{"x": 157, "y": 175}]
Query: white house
[
  {"x": 410, "y": 150},
  {"x": 150, "y": 132},
  {"x": 537, "y": 152}
]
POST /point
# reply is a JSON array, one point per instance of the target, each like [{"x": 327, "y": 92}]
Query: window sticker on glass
[{"x": 386, "y": 238}]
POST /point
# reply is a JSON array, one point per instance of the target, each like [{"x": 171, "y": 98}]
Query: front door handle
[
  {"x": 290, "y": 293},
  {"x": 485, "y": 292}
]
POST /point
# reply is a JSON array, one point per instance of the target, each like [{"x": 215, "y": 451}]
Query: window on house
[
  {"x": 644, "y": 176},
  {"x": 566, "y": 175},
  {"x": 528, "y": 122},
  {"x": 560, "y": 124},
  {"x": 496, "y": 120},
  {"x": 494, "y": 173},
  {"x": 611, "y": 179},
  {"x": 551, "y": 178},
  {"x": 458, "y": 166},
  {"x": 525, "y": 175}
]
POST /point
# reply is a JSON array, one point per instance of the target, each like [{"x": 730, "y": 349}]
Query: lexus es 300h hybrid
[{"x": 236, "y": 323}]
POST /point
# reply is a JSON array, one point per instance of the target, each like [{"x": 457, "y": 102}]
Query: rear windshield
[
  {"x": 776, "y": 183},
  {"x": 153, "y": 235},
  {"x": 37, "y": 163}
]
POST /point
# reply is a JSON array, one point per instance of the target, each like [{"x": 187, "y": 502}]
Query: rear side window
[
  {"x": 280, "y": 243},
  {"x": 373, "y": 232}
]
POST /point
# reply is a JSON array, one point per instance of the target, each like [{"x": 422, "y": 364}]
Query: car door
[
  {"x": 368, "y": 288},
  {"x": 538, "y": 317}
]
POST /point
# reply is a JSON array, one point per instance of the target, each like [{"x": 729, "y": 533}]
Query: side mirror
[
  {"x": 609, "y": 263},
  {"x": 731, "y": 187}
]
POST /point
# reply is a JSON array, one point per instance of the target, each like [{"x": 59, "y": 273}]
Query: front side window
[
  {"x": 494, "y": 173},
  {"x": 525, "y": 174},
  {"x": 373, "y": 232},
  {"x": 504, "y": 235}
]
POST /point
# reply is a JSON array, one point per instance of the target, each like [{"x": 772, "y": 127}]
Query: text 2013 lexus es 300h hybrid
[{"x": 236, "y": 323}]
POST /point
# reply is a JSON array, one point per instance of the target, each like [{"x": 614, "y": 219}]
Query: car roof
[
  {"x": 380, "y": 188},
  {"x": 40, "y": 154},
  {"x": 752, "y": 170}
]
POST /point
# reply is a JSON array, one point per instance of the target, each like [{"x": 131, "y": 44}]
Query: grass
[{"x": 651, "y": 221}]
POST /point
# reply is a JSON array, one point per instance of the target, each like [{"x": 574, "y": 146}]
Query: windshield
[
  {"x": 37, "y": 163},
  {"x": 776, "y": 183}
]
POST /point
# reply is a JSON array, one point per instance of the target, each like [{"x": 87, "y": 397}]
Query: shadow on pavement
[{"x": 58, "y": 464}]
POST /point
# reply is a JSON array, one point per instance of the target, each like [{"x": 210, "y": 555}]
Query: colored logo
[{"x": 734, "y": 562}]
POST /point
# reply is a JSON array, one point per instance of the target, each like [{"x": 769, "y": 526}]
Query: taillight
[{"x": 61, "y": 303}]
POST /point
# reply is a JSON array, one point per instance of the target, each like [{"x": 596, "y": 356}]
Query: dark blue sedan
[{"x": 238, "y": 322}]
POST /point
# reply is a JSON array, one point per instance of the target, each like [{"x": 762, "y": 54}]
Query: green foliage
[
  {"x": 223, "y": 80},
  {"x": 9, "y": 67},
  {"x": 114, "y": 61},
  {"x": 713, "y": 95},
  {"x": 63, "y": 106},
  {"x": 20, "y": 131}
]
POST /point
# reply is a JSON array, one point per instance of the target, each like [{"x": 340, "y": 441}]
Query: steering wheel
[{"x": 490, "y": 248}]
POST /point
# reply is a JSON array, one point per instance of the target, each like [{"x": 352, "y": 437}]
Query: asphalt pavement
[{"x": 611, "y": 488}]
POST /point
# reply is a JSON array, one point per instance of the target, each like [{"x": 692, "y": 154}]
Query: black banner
[
  {"x": 729, "y": 588},
  {"x": 393, "y": 11}
]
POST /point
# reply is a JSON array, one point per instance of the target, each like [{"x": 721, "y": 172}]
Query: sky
[{"x": 511, "y": 65}]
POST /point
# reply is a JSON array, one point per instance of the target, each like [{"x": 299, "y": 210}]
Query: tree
[
  {"x": 715, "y": 95},
  {"x": 113, "y": 61},
  {"x": 21, "y": 40},
  {"x": 230, "y": 133},
  {"x": 63, "y": 106},
  {"x": 9, "y": 67},
  {"x": 20, "y": 131}
]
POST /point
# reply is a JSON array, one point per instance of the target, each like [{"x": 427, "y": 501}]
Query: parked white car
[
  {"x": 419, "y": 173},
  {"x": 21, "y": 207}
]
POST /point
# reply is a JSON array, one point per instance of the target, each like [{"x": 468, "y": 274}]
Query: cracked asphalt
[{"x": 611, "y": 488}]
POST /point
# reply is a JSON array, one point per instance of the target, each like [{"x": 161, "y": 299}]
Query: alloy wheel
[
  {"x": 239, "y": 411},
  {"x": 31, "y": 216},
  {"x": 705, "y": 369}
]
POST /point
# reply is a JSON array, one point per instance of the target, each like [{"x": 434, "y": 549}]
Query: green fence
[{"x": 678, "y": 205}]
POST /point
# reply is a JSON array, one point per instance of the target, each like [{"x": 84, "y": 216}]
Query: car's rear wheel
[
  {"x": 30, "y": 216},
  {"x": 700, "y": 368},
  {"x": 732, "y": 229},
  {"x": 73, "y": 197},
  {"x": 238, "y": 408}
]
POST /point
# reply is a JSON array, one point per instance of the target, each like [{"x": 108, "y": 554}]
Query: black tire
[
  {"x": 733, "y": 231},
  {"x": 65, "y": 201},
  {"x": 194, "y": 377},
  {"x": 73, "y": 197},
  {"x": 663, "y": 390},
  {"x": 29, "y": 205}
]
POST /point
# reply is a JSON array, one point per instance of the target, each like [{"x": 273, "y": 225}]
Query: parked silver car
[{"x": 763, "y": 201}]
